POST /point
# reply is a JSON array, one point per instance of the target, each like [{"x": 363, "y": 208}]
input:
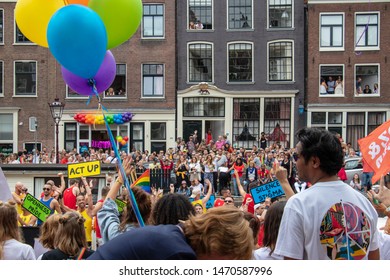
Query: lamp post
[{"x": 56, "y": 109}]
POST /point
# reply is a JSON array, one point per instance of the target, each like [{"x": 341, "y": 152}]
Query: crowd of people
[{"x": 318, "y": 217}]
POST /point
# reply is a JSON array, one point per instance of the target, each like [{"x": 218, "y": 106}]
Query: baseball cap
[
  {"x": 195, "y": 192},
  {"x": 219, "y": 202}
]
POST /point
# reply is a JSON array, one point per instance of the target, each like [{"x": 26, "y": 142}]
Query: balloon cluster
[
  {"x": 79, "y": 34},
  {"x": 122, "y": 140},
  {"x": 99, "y": 119}
]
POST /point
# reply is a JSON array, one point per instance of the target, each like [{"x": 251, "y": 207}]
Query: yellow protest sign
[{"x": 84, "y": 169}]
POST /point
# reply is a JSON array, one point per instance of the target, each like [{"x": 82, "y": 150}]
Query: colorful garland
[{"x": 99, "y": 119}]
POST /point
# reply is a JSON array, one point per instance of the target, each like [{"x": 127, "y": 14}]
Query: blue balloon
[{"x": 77, "y": 38}]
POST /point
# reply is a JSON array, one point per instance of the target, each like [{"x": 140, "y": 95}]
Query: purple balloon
[{"x": 103, "y": 78}]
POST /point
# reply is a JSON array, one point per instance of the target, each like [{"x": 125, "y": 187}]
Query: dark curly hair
[
  {"x": 322, "y": 144},
  {"x": 171, "y": 208}
]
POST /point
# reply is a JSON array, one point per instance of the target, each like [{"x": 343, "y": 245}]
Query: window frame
[
  {"x": 320, "y": 76},
  {"x": 332, "y": 48},
  {"x": 189, "y": 44},
  {"x": 203, "y": 22},
  {"x": 229, "y": 16},
  {"x": 2, "y": 27},
  {"x": 292, "y": 80},
  {"x": 36, "y": 79},
  {"x": 76, "y": 96},
  {"x": 16, "y": 31},
  {"x": 363, "y": 84},
  {"x": 269, "y": 25},
  {"x": 251, "y": 44},
  {"x": 14, "y": 115},
  {"x": 154, "y": 76},
  {"x": 2, "y": 78},
  {"x": 116, "y": 97},
  {"x": 151, "y": 37},
  {"x": 367, "y": 47}
]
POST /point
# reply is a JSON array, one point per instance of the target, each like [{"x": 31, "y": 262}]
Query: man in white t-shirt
[{"x": 329, "y": 220}]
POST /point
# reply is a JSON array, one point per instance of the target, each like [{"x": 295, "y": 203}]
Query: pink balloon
[{"x": 103, "y": 78}]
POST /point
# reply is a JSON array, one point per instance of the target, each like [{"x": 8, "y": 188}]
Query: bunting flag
[
  {"x": 375, "y": 150},
  {"x": 143, "y": 181}
]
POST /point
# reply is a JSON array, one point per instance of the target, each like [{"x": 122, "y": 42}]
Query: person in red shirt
[
  {"x": 264, "y": 175},
  {"x": 238, "y": 166},
  {"x": 70, "y": 194}
]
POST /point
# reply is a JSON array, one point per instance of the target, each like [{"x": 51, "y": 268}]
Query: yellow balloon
[{"x": 33, "y": 16}]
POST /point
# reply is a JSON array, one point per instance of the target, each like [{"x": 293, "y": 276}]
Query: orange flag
[{"x": 375, "y": 150}]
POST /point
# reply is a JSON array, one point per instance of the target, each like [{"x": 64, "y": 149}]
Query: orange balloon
[{"x": 81, "y": 2}]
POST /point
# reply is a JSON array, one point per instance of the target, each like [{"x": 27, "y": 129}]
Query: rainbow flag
[{"x": 143, "y": 181}]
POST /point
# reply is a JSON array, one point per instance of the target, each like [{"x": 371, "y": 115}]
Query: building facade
[
  {"x": 144, "y": 85},
  {"x": 240, "y": 69},
  {"x": 347, "y": 66}
]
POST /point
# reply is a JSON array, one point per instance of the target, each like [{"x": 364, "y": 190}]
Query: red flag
[{"x": 375, "y": 150}]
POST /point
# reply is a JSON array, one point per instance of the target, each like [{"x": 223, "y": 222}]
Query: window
[
  {"x": 240, "y": 62},
  {"x": 331, "y": 80},
  {"x": 318, "y": 118},
  {"x": 70, "y": 93},
  {"x": 280, "y": 61},
  {"x": 1, "y": 26},
  {"x": 118, "y": 87},
  {"x": 280, "y": 14},
  {"x": 367, "y": 31},
  {"x": 158, "y": 134},
  {"x": 375, "y": 119},
  {"x": 6, "y": 133},
  {"x": 277, "y": 121},
  {"x": 367, "y": 80},
  {"x": 25, "y": 78},
  {"x": 332, "y": 31},
  {"x": 137, "y": 136},
  {"x": 200, "y": 63},
  {"x": 240, "y": 14},
  {"x": 246, "y": 122},
  {"x": 153, "y": 21},
  {"x": 153, "y": 80},
  {"x": 70, "y": 136},
  {"x": 200, "y": 14},
  {"x": 1, "y": 78},
  {"x": 19, "y": 37},
  {"x": 203, "y": 107},
  {"x": 355, "y": 127}
]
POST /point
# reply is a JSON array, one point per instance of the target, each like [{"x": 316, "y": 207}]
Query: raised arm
[
  {"x": 240, "y": 187},
  {"x": 62, "y": 186},
  {"x": 209, "y": 192},
  {"x": 119, "y": 180},
  {"x": 281, "y": 174}
]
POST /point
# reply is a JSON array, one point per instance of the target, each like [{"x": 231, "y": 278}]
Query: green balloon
[{"x": 121, "y": 18}]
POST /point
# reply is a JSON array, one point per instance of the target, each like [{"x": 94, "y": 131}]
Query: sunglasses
[
  {"x": 228, "y": 201},
  {"x": 46, "y": 189}
]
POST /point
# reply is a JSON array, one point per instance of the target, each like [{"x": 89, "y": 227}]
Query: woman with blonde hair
[
  {"x": 11, "y": 246},
  {"x": 70, "y": 241}
]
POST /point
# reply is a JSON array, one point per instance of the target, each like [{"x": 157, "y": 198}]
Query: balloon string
[
  {"x": 133, "y": 201},
  {"x": 364, "y": 31},
  {"x": 123, "y": 173}
]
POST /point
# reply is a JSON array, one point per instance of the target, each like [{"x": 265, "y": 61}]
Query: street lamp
[{"x": 56, "y": 109}]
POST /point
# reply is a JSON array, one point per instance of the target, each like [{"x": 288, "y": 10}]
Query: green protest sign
[
  {"x": 120, "y": 204},
  {"x": 35, "y": 207}
]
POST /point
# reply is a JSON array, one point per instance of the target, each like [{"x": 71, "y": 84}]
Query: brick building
[
  {"x": 144, "y": 85},
  {"x": 242, "y": 71},
  {"x": 347, "y": 51}
]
